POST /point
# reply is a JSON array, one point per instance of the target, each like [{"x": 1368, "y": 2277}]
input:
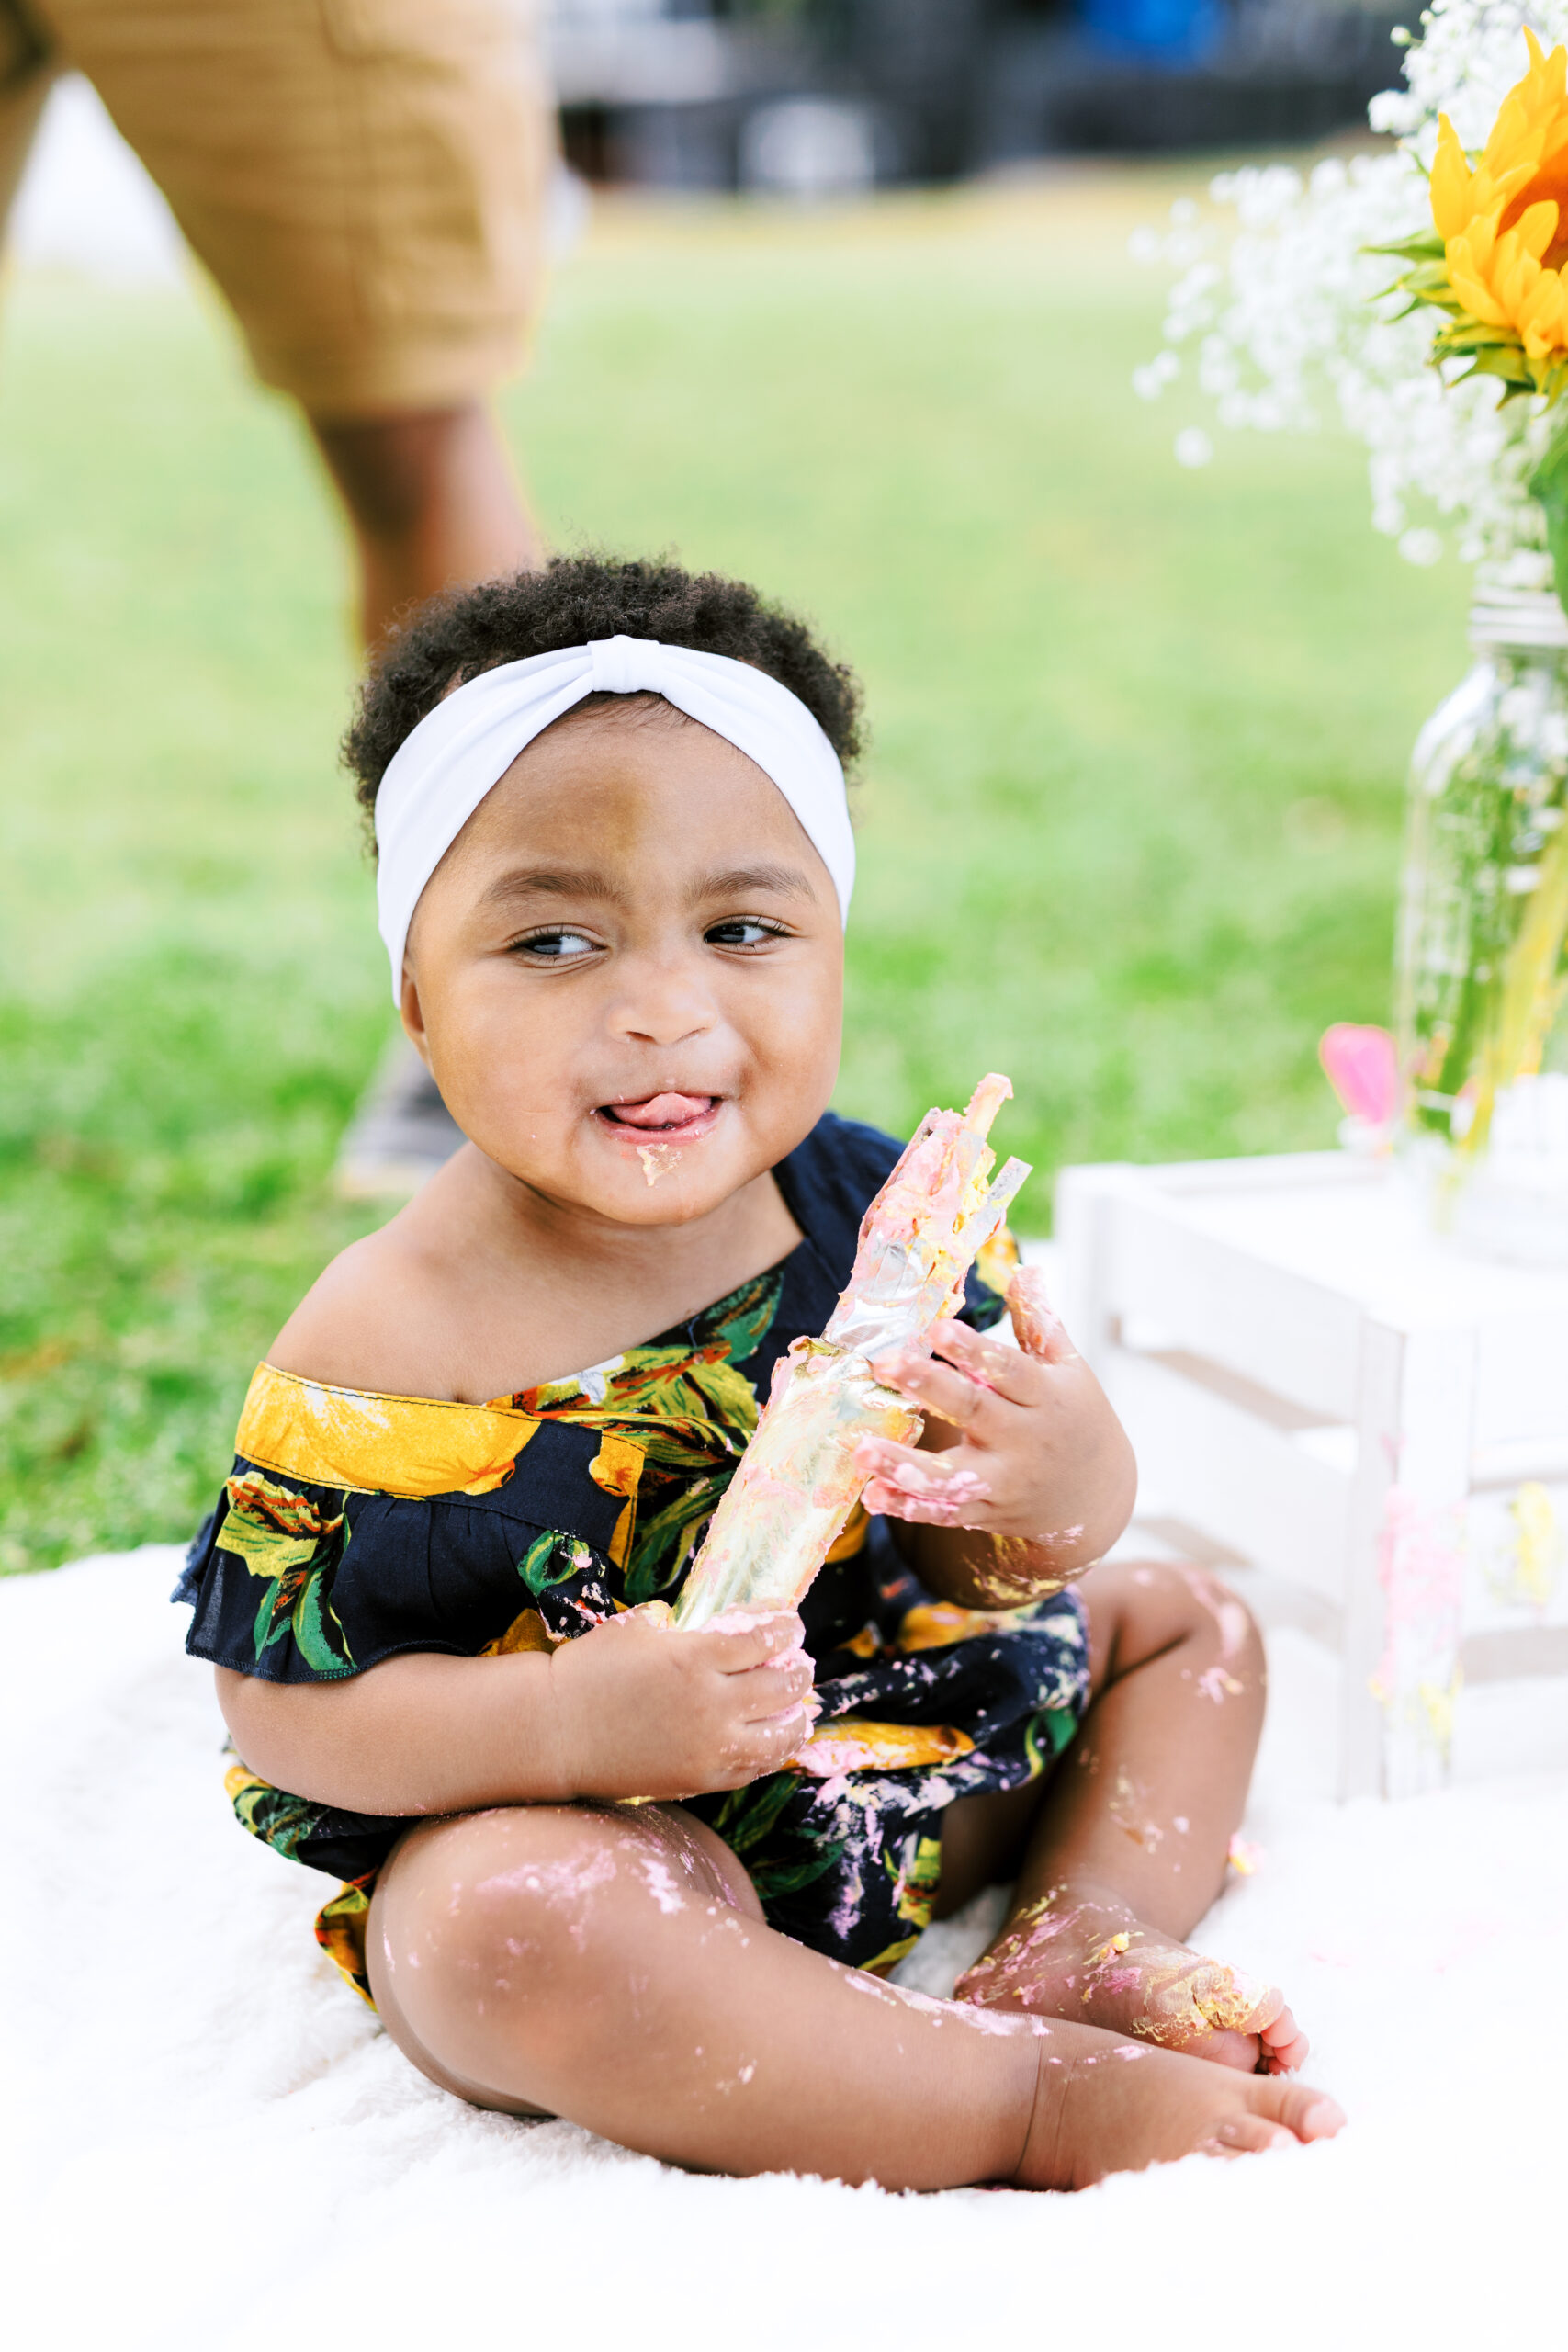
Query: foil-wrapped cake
[{"x": 797, "y": 1483}]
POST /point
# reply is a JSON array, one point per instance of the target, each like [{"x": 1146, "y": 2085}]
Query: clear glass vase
[{"x": 1483, "y": 981}]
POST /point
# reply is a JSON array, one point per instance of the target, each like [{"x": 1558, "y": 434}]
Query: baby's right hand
[{"x": 646, "y": 1712}]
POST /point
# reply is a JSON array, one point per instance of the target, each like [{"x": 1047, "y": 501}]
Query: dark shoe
[{"x": 402, "y": 1133}]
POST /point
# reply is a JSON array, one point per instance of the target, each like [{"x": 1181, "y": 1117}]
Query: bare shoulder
[{"x": 381, "y": 1316}]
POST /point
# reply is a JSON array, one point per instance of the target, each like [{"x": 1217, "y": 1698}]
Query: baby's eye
[
  {"x": 554, "y": 946},
  {"x": 743, "y": 931}
]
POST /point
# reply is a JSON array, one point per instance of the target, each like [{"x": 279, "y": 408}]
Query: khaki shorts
[{"x": 363, "y": 178}]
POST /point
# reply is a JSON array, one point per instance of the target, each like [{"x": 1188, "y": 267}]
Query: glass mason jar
[{"x": 1483, "y": 980}]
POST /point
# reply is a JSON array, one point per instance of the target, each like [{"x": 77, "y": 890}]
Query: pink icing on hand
[
  {"x": 736, "y": 1620},
  {"x": 946, "y": 1485},
  {"x": 1036, "y": 1326}
]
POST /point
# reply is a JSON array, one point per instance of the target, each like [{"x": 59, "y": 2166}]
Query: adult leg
[
  {"x": 433, "y": 501},
  {"x": 1129, "y": 1847},
  {"x": 28, "y": 73},
  {"x": 612, "y": 1966},
  {"x": 368, "y": 188}
]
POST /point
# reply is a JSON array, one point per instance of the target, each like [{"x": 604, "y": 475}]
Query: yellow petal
[
  {"x": 1536, "y": 227},
  {"x": 1544, "y": 320},
  {"x": 1471, "y": 255},
  {"x": 1453, "y": 186},
  {"x": 1515, "y": 275},
  {"x": 1501, "y": 190},
  {"x": 1541, "y": 89},
  {"x": 1476, "y": 298},
  {"x": 1527, "y": 116},
  {"x": 1472, "y": 251},
  {"x": 1510, "y": 137},
  {"x": 1545, "y": 302}
]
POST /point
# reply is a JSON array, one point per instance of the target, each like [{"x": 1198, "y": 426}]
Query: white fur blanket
[{"x": 211, "y": 2145}]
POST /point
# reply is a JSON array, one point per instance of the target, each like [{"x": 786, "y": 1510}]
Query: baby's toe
[
  {"x": 1285, "y": 2046},
  {"x": 1310, "y": 2114},
  {"x": 1248, "y": 2135},
  {"x": 1242, "y": 2050}
]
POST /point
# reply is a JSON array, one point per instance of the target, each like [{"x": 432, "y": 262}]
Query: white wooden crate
[{"x": 1369, "y": 1426}]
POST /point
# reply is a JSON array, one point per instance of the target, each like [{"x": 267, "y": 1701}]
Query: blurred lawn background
[{"x": 1129, "y": 827}]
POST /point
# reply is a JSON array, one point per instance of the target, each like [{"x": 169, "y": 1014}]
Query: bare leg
[
  {"x": 611, "y": 1964},
  {"x": 433, "y": 501},
  {"x": 1129, "y": 1845}
]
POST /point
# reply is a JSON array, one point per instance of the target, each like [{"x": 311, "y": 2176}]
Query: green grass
[{"x": 1130, "y": 817}]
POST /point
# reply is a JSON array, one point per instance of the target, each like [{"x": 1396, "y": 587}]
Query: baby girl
[{"x": 653, "y": 1880}]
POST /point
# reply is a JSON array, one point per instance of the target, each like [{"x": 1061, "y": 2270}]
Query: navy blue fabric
[{"x": 453, "y": 1573}]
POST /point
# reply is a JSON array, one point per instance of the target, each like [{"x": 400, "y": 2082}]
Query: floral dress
[{"x": 355, "y": 1526}]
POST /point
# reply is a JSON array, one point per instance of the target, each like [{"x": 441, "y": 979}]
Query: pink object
[{"x": 1362, "y": 1067}]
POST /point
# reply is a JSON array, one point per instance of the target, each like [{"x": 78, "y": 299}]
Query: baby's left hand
[{"x": 1042, "y": 1460}]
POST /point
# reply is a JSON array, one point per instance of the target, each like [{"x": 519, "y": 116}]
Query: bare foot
[
  {"x": 1069, "y": 1955},
  {"x": 1125, "y": 2107}
]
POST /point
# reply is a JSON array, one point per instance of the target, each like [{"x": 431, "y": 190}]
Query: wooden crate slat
[
  {"x": 1318, "y": 1384},
  {"x": 1203, "y": 1459},
  {"x": 1289, "y": 1334}
]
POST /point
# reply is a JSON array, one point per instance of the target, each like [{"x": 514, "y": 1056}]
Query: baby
[{"x": 652, "y": 1880}]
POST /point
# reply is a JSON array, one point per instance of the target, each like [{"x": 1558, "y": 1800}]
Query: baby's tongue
[{"x": 661, "y": 1110}]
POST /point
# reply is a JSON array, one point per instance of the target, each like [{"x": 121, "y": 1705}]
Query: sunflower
[{"x": 1494, "y": 258}]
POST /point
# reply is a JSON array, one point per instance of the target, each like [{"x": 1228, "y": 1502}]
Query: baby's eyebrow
[
  {"x": 735, "y": 881},
  {"x": 525, "y": 883}
]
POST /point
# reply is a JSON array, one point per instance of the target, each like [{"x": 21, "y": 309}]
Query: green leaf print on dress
[
  {"x": 280, "y": 1820},
  {"x": 747, "y": 1821},
  {"x": 915, "y": 1869},
  {"x": 689, "y": 1413},
  {"x": 552, "y": 1558},
  {"x": 281, "y": 1535}
]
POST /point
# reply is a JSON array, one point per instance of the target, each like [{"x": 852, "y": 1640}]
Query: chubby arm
[
  {"x": 1024, "y": 1477},
  {"x": 627, "y": 1709}
]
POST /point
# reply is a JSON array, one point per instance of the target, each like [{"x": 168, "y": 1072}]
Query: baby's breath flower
[{"x": 1294, "y": 320}]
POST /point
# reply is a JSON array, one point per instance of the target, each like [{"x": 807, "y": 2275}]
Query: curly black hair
[{"x": 577, "y": 598}]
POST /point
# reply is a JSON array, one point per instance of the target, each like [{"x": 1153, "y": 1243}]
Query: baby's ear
[{"x": 412, "y": 1013}]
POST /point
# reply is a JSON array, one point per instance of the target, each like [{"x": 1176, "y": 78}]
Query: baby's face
[{"x": 627, "y": 973}]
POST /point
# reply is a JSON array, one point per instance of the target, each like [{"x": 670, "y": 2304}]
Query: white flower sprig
[{"x": 1287, "y": 321}]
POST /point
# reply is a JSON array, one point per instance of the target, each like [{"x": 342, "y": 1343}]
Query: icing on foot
[{"x": 1069, "y": 1957}]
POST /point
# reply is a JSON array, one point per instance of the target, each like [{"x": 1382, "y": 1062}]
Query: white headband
[{"x": 462, "y": 749}]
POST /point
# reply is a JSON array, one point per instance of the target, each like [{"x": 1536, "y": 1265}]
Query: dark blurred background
[{"x": 816, "y": 98}]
